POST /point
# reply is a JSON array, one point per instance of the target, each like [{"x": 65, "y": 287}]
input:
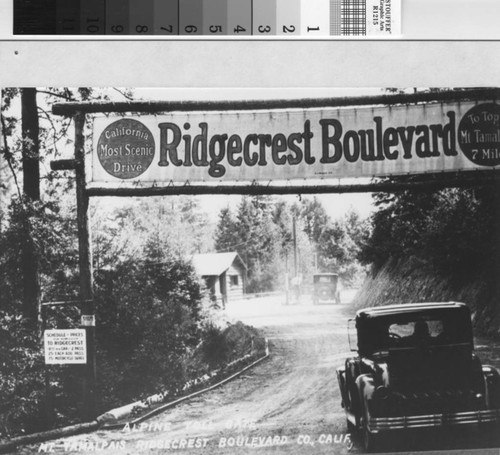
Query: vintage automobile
[
  {"x": 325, "y": 288},
  {"x": 416, "y": 368}
]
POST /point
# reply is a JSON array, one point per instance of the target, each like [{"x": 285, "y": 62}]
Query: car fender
[
  {"x": 341, "y": 378},
  {"x": 491, "y": 386},
  {"x": 366, "y": 386}
]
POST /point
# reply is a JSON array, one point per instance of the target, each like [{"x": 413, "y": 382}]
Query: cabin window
[{"x": 234, "y": 280}]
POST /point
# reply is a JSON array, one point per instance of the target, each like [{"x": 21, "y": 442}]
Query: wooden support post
[
  {"x": 49, "y": 402},
  {"x": 85, "y": 266}
]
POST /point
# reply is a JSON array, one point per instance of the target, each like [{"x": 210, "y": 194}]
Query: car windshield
[{"x": 325, "y": 278}]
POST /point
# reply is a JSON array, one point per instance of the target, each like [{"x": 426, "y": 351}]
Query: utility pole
[
  {"x": 295, "y": 258},
  {"x": 296, "y": 282},
  {"x": 287, "y": 280}
]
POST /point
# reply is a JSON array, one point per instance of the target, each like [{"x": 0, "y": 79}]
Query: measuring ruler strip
[{"x": 209, "y": 18}]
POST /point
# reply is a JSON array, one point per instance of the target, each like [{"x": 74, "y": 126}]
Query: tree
[
  {"x": 452, "y": 231},
  {"x": 31, "y": 144},
  {"x": 226, "y": 234},
  {"x": 314, "y": 218},
  {"x": 336, "y": 243},
  {"x": 31, "y": 191},
  {"x": 122, "y": 229},
  {"x": 254, "y": 236},
  {"x": 27, "y": 142}
]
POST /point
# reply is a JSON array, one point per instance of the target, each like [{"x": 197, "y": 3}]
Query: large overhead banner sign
[{"x": 248, "y": 146}]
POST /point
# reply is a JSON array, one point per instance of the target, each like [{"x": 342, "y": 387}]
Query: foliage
[
  {"x": 149, "y": 310},
  {"x": 22, "y": 390},
  {"x": 221, "y": 346},
  {"x": 54, "y": 240},
  {"x": 262, "y": 233},
  {"x": 215, "y": 348},
  {"x": 226, "y": 235},
  {"x": 314, "y": 218},
  {"x": 253, "y": 235},
  {"x": 122, "y": 229},
  {"x": 452, "y": 231},
  {"x": 21, "y": 366},
  {"x": 337, "y": 243},
  {"x": 149, "y": 317}
]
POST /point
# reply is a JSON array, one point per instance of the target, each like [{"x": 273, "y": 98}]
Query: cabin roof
[{"x": 215, "y": 264}]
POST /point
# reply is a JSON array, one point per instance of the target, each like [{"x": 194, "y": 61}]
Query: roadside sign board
[
  {"x": 65, "y": 346},
  {"x": 252, "y": 146}
]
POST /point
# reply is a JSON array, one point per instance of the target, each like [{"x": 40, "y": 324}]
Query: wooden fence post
[{"x": 85, "y": 267}]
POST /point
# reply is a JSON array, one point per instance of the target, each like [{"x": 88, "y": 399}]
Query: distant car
[
  {"x": 325, "y": 288},
  {"x": 416, "y": 368}
]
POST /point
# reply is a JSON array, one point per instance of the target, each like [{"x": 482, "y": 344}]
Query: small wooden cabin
[{"x": 224, "y": 275}]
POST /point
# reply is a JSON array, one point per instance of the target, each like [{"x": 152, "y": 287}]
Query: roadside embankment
[{"x": 410, "y": 281}]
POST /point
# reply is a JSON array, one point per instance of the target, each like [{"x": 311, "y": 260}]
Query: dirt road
[{"x": 289, "y": 404}]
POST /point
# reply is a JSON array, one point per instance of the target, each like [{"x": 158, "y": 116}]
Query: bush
[
  {"x": 148, "y": 319},
  {"x": 215, "y": 349},
  {"x": 24, "y": 404},
  {"x": 220, "y": 347}
]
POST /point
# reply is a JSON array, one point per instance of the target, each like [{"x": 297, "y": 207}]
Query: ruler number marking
[
  {"x": 215, "y": 29},
  {"x": 92, "y": 27}
]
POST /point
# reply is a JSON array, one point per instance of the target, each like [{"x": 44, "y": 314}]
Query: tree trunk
[
  {"x": 31, "y": 190},
  {"x": 31, "y": 152}
]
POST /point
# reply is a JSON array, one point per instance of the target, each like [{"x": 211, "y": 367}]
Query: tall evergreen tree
[{"x": 226, "y": 235}]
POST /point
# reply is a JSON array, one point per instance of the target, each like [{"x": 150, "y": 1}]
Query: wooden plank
[
  {"x": 430, "y": 183},
  {"x": 305, "y": 103}
]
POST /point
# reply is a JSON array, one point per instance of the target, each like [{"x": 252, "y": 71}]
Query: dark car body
[
  {"x": 325, "y": 288},
  {"x": 416, "y": 368}
]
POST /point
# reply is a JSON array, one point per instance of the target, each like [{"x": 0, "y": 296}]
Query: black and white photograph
[{"x": 249, "y": 270}]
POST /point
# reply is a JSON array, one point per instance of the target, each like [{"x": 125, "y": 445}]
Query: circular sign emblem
[
  {"x": 126, "y": 149},
  {"x": 479, "y": 134}
]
